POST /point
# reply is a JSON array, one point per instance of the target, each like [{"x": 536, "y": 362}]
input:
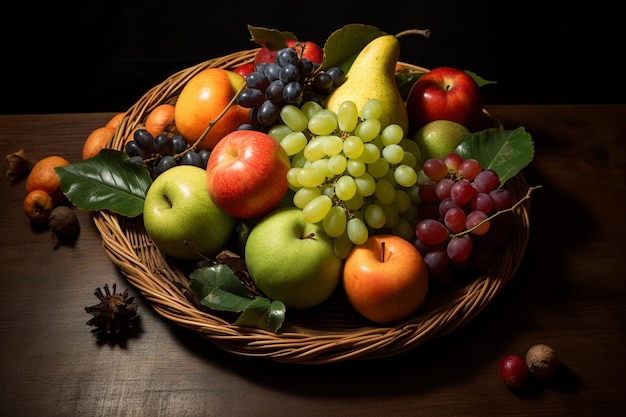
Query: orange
[
  {"x": 43, "y": 177},
  {"x": 160, "y": 119},
  {"x": 38, "y": 205},
  {"x": 97, "y": 140},
  {"x": 205, "y": 96},
  {"x": 115, "y": 120}
]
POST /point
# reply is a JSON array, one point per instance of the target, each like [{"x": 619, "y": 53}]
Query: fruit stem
[
  {"x": 214, "y": 121},
  {"x": 382, "y": 251},
  {"x": 309, "y": 236},
  {"x": 497, "y": 213},
  {"x": 424, "y": 32}
]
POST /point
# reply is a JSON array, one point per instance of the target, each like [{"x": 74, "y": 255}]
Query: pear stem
[{"x": 424, "y": 32}]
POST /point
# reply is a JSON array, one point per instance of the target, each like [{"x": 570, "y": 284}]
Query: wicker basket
[{"x": 329, "y": 333}]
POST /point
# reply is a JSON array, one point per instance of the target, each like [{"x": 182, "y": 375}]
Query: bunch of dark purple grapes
[
  {"x": 291, "y": 79},
  {"x": 459, "y": 228},
  {"x": 162, "y": 152}
]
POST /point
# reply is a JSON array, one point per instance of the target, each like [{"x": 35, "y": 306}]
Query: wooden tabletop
[{"x": 568, "y": 293}]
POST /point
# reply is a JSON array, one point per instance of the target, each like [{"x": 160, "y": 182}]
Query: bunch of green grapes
[{"x": 349, "y": 173}]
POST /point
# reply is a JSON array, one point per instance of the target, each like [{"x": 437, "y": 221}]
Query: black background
[{"x": 103, "y": 55}]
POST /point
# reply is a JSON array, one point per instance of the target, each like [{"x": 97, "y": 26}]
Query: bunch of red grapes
[{"x": 464, "y": 216}]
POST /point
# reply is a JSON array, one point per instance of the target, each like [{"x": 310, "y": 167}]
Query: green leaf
[
  {"x": 263, "y": 314},
  {"x": 272, "y": 38},
  {"x": 505, "y": 151},
  {"x": 219, "y": 288},
  {"x": 343, "y": 45},
  {"x": 106, "y": 181}
]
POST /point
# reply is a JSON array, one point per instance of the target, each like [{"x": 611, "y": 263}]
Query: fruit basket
[{"x": 328, "y": 333}]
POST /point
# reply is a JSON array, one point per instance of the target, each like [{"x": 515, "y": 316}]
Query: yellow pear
[{"x": 372, "y": 75}]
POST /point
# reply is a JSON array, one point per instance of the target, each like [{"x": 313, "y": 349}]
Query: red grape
[{"x": 513, "y": 371}]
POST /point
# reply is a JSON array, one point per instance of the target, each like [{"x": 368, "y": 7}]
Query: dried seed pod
[
  {"x": 63, "y": 223},
  {"x": 542, "y": 361},
  {"x": 115, "y": 312}
]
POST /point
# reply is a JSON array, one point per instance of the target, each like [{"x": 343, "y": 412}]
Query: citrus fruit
[
  {"x": 38, "y": 205},
  {"x": 97, "y": 140},
  {"x": 160, "y": 119},
  {"x": 201, "y": 101},
  {"x": 114, "y": 122},
  {"x": 44, "y": 177}
]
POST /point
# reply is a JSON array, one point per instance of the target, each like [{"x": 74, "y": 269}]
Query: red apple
[
  {"x": 385, "y": 279},
  {"x": 444, "y": 93},
  {"x": 244, "y": 69},
  {"x": 247, "y": 173},
  {"x": 306, "y": 49}
]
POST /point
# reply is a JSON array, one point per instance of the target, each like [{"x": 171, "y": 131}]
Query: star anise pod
[{"x": 115, "y": 312}]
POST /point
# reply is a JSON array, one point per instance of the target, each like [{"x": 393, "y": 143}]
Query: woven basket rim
[{"x": 343, "y": 336}]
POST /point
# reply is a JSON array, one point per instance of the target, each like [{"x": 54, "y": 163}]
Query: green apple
[
  {"x": 438, "y": 138},
  {"x": 180, "y": 217},
  {"x": 291, "y": 260}
]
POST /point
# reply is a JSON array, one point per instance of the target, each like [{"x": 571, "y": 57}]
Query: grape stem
[
  {"x": 213, "y": 122},
  {"x": 497, "y": 213}
]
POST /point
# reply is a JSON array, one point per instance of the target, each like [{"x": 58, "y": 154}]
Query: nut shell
[{"x": 542, "y": 361}]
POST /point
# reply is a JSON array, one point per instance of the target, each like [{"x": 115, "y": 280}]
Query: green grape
[
  {"x": 279, "y": 131},
  {"x": 310, "y": 108},
  {"x": 356, "y": 167},
  {"x": 345, "y": 187},
  {"x": 405, "y": 176},
  {"x": 317, "y": 208},
  {"x": 404, "y": 229},
  {"x": 392, "y": 218},
  {"x": 374, "y": 216},
  {"x": 368, "y": 129},
  {"x": 321, "y": 166},
  {"x": 334, "y": 223},
  {"x": 413, "y": 192},
  {"x": 401, "y": 201},
  {"x": 372, "y": 109},
  {"x": 314, "y": 150},
  {"x": 384, "y": 191},
  {"x": 309, "y": 177},
  {"x": 294, "y": 142},
  {"x": 353, "y": 146},
  {"x": 392, "y": 134},
  {"x": 347, "y": 116},
  {"x": 298, "y": 160},
  {"x": 378, "y": 168},
  {"x": 393, "y": 153},
  {"x": 342, "y": 246},
  {"x": 409, "y": 159},
  {"x": 357, "y": 231},
  {"x": 304, "y": 195},
  {"x": 410, "y": 145},
  {"x": 292, "y": 177},
  {"x": 328, "y": 190},
  {"x": 337, "y": 164},
  {"x": 422, "y": 178},
  {"x": 365, "y": 184},
  {"x": 355, "y": 203},
  {"x": 324, "y": 122},
  {"x": 294, "y": 118},
  {"x": 332, "y": 145},
  {"x": 371, "y": 153}
]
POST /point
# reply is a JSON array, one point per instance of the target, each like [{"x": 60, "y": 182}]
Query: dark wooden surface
[{"x": 569, "y": 293}]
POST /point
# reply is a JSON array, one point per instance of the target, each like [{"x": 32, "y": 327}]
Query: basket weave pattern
[{"x": 328, "y": 333}]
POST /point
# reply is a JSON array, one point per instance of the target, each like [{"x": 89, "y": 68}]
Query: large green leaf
[
  {"x": 505, "y": 151},
  {"x": 106, "y": 181},
  {"x": 343, "y": 45},
  {"x": 219, "y": 288},
  {"x": 271, "y": 38}
]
